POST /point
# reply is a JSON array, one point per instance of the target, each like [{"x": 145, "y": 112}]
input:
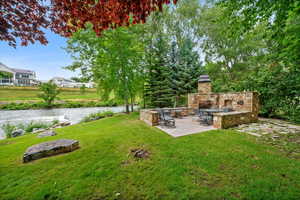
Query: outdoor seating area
[{"x": 205, "y": 111}]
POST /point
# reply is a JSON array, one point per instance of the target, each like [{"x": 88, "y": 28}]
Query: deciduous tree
[
  {"x": 25, "y": 19},
  {"x": 49, "y": 92},
  {"x": 114, "y": 61}
]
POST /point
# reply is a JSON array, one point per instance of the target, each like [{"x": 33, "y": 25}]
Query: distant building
[
  {"x": 17, "y": 77},
  {"x": 6, "y": 75},
  {"x": 67, "y": 83}
]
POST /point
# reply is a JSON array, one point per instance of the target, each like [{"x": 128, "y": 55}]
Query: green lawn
[
  {"x": 211, "y": 165},
  {"x": 30, "y": 93}
]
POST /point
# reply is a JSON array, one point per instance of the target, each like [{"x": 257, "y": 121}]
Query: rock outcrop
[{"x": 51, "y": 148}]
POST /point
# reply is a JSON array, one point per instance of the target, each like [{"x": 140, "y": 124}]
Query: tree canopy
[{"x": 26, "y": 19}]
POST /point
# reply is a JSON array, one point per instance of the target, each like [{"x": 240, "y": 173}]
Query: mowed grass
[
  {"x": 30, "y": 93},
  {"x": 219, "y": 164}
]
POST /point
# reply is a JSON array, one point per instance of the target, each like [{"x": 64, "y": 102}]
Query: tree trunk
[
  {"x": 144, "y": 98},
  {"x": 126, "y": 106}
]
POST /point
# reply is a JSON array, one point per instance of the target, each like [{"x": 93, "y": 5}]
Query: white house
[
  {"x": 17, "y": 77},
  {"x": 67, "y": 83}
]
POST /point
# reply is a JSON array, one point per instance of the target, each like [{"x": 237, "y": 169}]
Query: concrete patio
[{"x": 185, "y": 126}]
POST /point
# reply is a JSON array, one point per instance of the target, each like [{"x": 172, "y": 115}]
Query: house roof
[
  {"x": 22, "y": 70},
  {"x": 4, "y": 68}
]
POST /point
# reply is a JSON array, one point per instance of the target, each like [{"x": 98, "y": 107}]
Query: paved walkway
[
  {"x": 273, "y": 127},
  {"x": 185, "y": 126}
]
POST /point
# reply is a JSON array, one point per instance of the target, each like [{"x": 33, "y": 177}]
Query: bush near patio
[{"x": 219, "y": 164}]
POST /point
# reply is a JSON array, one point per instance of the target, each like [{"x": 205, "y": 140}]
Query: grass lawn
[
  {"x": 220, "y": 164},
  {"x": 30, "y": 93}
]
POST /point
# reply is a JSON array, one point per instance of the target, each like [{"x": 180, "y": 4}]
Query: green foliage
[
  {"x": 82, "y": 89},
  {"x": 66, "y": 104},
  {"x": 158, "y": 91},
  {"x": 113, "y": 60},
  {"x": 49, "y": 92},
  {"x": 96, "y": 116},
  {"x": 279, "y": 91},
  {"x": 172, "y": 62},
  {"x": 5, "y": 75},
  {"x": 8, "y": 129},
  {"x": 229, "y": 52},
  {"x": 32, "y": 125},
  {"x": 28, "y": 128},
  {"x": 276, "y": 75},
  {"x": 185, "y": 69}
]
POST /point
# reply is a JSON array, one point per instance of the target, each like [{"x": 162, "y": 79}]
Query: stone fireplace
[{"x": 243, "y": 106}]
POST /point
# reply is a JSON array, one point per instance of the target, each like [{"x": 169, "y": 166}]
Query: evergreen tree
[
  {"x": 186, "y": 69},
  {"x": 158, "y": 88}
]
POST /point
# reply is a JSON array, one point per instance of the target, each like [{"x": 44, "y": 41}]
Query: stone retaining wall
[
  {"x": 230, "y": 119},
  {"x": 151, "y": 117}
]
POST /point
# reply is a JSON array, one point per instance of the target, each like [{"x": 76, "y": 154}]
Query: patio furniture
[
  {"x": 166, "y": 118},
  {"x": 178, "y": 113},
  {"x": 206, "y": 115}
]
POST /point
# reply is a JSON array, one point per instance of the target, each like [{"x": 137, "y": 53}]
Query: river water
[{"x": 74, "y": 115}]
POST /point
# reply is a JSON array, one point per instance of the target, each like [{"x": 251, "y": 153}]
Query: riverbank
[
  {"x": 57, "y": 104},
  {"x": 74, "y": 115},
  {"x": 12, "y": 94},
  {"x": 219, "y": 164}
]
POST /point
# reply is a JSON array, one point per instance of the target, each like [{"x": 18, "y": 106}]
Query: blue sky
[{"x": 47, "y": 61}]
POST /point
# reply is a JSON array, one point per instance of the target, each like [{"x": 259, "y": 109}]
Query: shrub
[
  {"x": 28, "y": 128},
  {"x": 55, "y": 121},
  {"x": 82, "y": 89},
  {"x": 32, "y": 125},
  {"x": 49, "y": 92},
  {"x": 96, "y": 116},
  {"x": 8, "y": 129},
  {"x": 67, "y": 104}
]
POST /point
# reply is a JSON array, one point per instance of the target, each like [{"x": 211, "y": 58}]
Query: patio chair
[
  {"x": 166, "y": 118},
  {"x": 205, "y": 118}
]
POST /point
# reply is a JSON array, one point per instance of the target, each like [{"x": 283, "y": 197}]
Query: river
[{"x": 74, "y": 115}]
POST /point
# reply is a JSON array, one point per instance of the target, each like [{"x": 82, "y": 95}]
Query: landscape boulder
[
  {"x": 65, "y": 123},
  {"x": 46, "y": 134},
  {"x": 61, "y": 124},
  {"x": 38, "y": 130},
  {"x": 51, "y": 148},
  {"x": 17, "y": 133}
]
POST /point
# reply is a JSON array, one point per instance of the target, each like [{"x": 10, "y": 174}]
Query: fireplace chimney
[{"x": 204, "y": 84}]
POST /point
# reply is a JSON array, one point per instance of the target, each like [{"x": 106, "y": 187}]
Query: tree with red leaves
[{"x": 24, "y": 19}]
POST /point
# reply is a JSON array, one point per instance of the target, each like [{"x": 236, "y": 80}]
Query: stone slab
[
  {"x": 47, "y": 133},
  {"x": 51, "y": 148}
]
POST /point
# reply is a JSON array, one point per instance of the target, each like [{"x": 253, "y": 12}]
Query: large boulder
[
  {"x": 17, "y": 133},
  {"x": 51, "y": 148},
  {"x": 46, "y": 134}
]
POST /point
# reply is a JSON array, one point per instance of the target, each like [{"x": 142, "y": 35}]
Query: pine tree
[
  {"x": 158, "y": 88},
  {"x": 186, "y": 69}
]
